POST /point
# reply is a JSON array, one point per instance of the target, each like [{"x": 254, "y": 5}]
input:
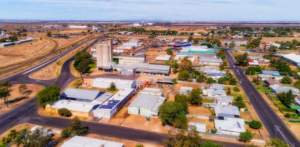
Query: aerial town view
[{"x": 128, "y": 73}]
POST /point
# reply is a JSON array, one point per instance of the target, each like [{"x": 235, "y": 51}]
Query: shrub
[
  {"x": 236, "y": 89},
  {"x": 115, "y": 69},
  {"x": 65, "y": 133},
  {"x": 286, "y": 80},
  {"x": 64, "y": 112},
  {"x": 255, "y": 124},
  {"x": 213, "y": 130},
  {"x": 287, "y": 115},
  {"x": 246, "y": 136},
  {"x": 139, "y": 145},
  {"x": 174, "y": 81},
  {"x": 239, "y": 104},
  {"x": 287, "y": 109}
]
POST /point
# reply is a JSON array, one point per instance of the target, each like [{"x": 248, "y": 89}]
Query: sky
[{"x": 166, "y": 10}]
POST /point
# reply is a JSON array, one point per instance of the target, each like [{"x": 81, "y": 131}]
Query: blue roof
[
  {"x": 226, "y": 115},
  {"x": 113, "y": 102},
  {"x": 106, "y": 106},
  {"x": 216, "y": 74},
  {"x": 273, "y": 72},
  {"x": 81, "y": 94}
]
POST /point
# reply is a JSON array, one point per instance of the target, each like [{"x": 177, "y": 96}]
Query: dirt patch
[
  {"x": 273, "y": 39},
  {"x": 16, "y": 98},
  {"x": 199, "y": 111},
  {"x": 53, "y": 70}
]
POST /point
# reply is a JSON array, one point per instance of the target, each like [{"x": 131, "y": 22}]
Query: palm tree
[{"x": 5, "y": 91}]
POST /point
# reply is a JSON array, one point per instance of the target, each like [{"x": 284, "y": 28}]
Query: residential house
[
  {"x": 271, "y": 82},
  {"x": 214, "y": 92},
  {"x": 280, "y": 89},
  {"x": 230, "y": 126},
  {"x": 224, "y": 100},
  {"x": 215, "y": 76},
  {"x": 226, "y": 111}
]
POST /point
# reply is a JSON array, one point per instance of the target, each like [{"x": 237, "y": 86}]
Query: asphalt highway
[
  {"x": 27, "y": 112},
  {"x": 268, "y": 117}
]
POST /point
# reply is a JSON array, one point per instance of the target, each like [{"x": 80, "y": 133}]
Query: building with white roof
[
  {"x": 153, "y": 68},
  {"x": 224, "y": 100},
  {"x": 77, "y": 108},
  {"x": 131, "y": 60},
  {"x": 81, "y": 94},
  {"x": 185, "y": 90},
  {"x": 224, "y": 111},
  {"x": 151, "y": 91},
  {"x": 210, "y": 60},
  {"x": 295, "y": 58},
  {"x": 78, "y": 27},
  {"x": 79, "y": 141},
  {"x": 230, "y": 126},
  {"x": 146, "y": 105},
  {"x": 238, "y": 43},
  {"x": 119, "y": 83},
  {"x": 206, "y": 69},
  {"x": 217, "y": 86},
  {"x": 163, "y": 58},
  {"x": 96, "y": 27},
  {"x": 200, "y": 127},
  {"x": 280, "y": 89},
  {"x": 277, "y": 45},
  {"x": 110, "y": 107}
]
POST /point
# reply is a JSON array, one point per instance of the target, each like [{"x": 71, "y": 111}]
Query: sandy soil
[
  {"x": 199, "y": 111},
  {"x": 18, "y": 97},
  {"x": 20, "y": 53},
  {"x": 53, "y": 70},
  {"x": 62, "y": 42}
]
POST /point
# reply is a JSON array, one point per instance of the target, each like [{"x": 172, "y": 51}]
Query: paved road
[
  {"x": 268, "y": 117},
  {"x": 27, "y": 112}
]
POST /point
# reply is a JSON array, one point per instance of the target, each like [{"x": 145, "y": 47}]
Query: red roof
[{"x": 250, "y": 60}]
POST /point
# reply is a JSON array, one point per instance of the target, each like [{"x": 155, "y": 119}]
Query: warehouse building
[
  {"x": 6, "y": 44},
  {"x": 78, "y": 27},
  {"x": 153, "y": 69},
  {"x": 79, "y": 141},
  {"x": 163, "y": 58},
  {"x": 81, "y": 95},
  {"x": 210, "y": 60},
  {"x": 131, "y": 59},
  {"x": 28, "y": 39},
  {"x": 119, "y": 83},
  {"x": 295, "y": 58},
  {"x": 111, "y": 106},
  {"x": 146, "y": 105},
  {"x": 77, "y": 108},
  {"x": 151, "y": 91}
]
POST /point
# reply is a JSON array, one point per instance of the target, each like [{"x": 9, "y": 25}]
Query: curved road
[
  {"x": 267, "y": 115},
  {"x": 27, "y": 112}
]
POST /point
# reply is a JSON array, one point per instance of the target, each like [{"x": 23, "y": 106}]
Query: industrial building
[
  {"x": 163, "y": 58},
  {"x": 146, "y": 105},
  {"x": 78, "y": 27},
  {"x": 153, "y": 69},
  {"x": 131, "y": 59},
  {"x": 104, "y": 55},
  {"x": 294, "y": 58},
  {"x": 77, "y": 108},
  {"x": 210, "y": 60},
  {"x": 81, "y": 94},
  {"x": 28, "y": 39},
  {"x": 119, "y": 83},
  {"x": 6, "y": 44},
  {"x": 111, "y": 106},
  {"x": 79, "y": 141},
  {"x": 151, "y": 91}
]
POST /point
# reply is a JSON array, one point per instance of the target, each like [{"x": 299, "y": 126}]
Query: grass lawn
[
  {"x": 207, "y": 100},
  {"x": 264, "y": 89}
]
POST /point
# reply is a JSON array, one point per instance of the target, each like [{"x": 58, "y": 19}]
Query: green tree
[
  {"x": 289, "y": 98},
  {"x": 201, "y": 78},
  {"x": 175, "y": 67},
  {"x": 184, "y": 75},
  {"x": 112, "y": 87},
  {"x": 275, "y": 142},
  {"x": 297, "y": 84},
  {"x": 76, "y": 127},
  {"x": 195, "y": 97},
  {"x": 286, "y": 80},
  {"x": 64, "y": 112},
  {"x": 183, "y": 99},
  {"x": 239, "y": 104},
  {"x": 231, "y": 45},
  {"x": 5, "y": 91},
  {"x": 216, "y": 42},
  {"x": 190, "y": 39},
  {"x": 22, "y": 88},
  {"x": 65, "y": 133},
  {"x": 222, "y": 80},
  {"x": 173, "y": 113},
  {"x": 180, "y": 139},
  {"x": 242, "y": 60},
  {"x": 186, "y": 65},
  {"x": 36, "y": 138},
  {"x": 49, "y": 34},
  {"x": 209, "y": 144},
  {"x": 255, "y": 124},
  {"x": 236, "y": 89},
  {"x": 82, "y": 61},
  {"x": 210, "y": 80},
  {"x": 246, "y": 136},
  {"x": 48, "y": 95},
  {"x": 232, "y": 81},
  {"x": 169, "y": 52}
]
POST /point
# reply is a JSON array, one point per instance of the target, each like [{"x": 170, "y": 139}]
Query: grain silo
[{"x": 104, "y": 55}]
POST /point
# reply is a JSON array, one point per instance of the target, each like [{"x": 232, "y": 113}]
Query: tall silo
[{"x": 104, "y": 55}]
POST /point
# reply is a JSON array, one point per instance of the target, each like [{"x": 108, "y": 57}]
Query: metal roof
[
  {"x": 148, "y": 101},
  {"x": 82, "y": 94},
  {"x": 79, "y": 141}
]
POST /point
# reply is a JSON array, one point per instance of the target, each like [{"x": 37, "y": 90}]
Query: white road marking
[{"x": 238, "y": 72}]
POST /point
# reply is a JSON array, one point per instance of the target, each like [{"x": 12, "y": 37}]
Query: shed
[{"x": 200, "y": 127}]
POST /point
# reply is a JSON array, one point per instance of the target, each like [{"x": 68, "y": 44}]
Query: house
[
  {"x": 271, "y": 72},
  {"x": 79, "y": 141},
  {"x": 217, "y": 86},
  {"x": 185, "y": 90},
  {"x": 214, "y": 92},
  {"x": 224, "y": 100},
  {"x": 297, "y": 101},
  {"x": 200, "y": 127},
  {"x": 280, "y": 89},
  {"x": 264, "y": 76},
  {"x": 271, "y": 82},
  {"x": 216, "y": 76},
  {"x": 163, "y": 58},
  {"x": 146, "y": 105},
  {"x": 81, "y": 94},
  {"x": 77, "y": 108},
  {"x": 230, "y": 126},
  {"x": 151, "y": 91},
  {"x": 275, "y": 44},
  {"x": 210, "y": 60},
  {"x": 224, "y": 111},
  {"x": 206, "y": 69}
]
